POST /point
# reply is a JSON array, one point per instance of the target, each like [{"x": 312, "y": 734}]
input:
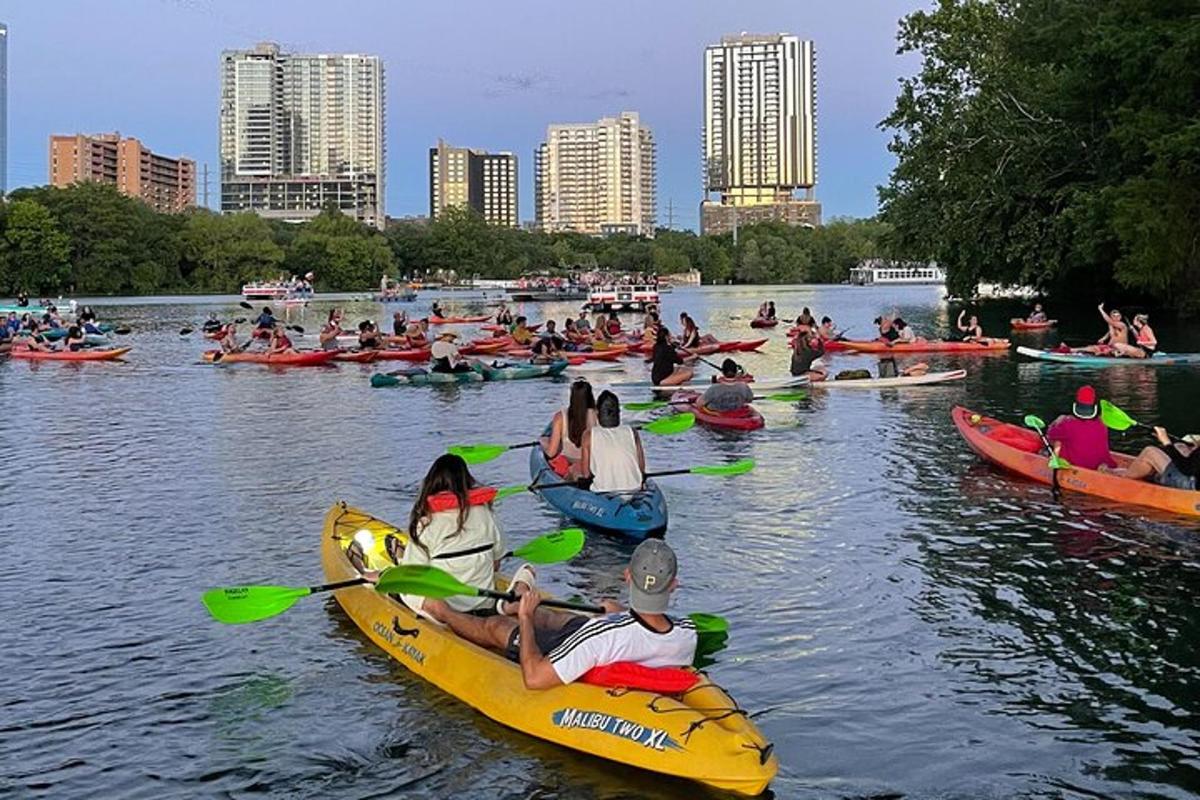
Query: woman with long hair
[
  {"x": 452, "y": 527},
  {"x": 668, "y": 368},
  {"x": 564, "y": 442}
]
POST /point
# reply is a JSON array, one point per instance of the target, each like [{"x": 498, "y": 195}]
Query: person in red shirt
[{"x": 1082, "y": 438}]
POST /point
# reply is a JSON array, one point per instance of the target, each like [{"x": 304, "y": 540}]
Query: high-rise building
[
  {"x": 485, "y": 182},
  {"x": 3, "y": 109},
  {"x": 597, "y": 178},
  {"x": 759, "y": 131},
  {"x": 300, "y": 133},
  {"x": 165, "y": 184}
]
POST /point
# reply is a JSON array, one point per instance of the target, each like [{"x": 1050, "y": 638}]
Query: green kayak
[
  {"x": 516, "y": 372},
  {"x": 421, "y": 377}
]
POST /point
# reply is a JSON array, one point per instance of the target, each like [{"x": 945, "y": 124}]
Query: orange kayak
[
  {"x": 459, "y": 320},
  {"x": 875, "y": 346},
  {"x": 357, "y": 356},
  {"x": 1022, "y": 325},
  {"x": 420, "y": 354},
  {"x": 303, "y": 358},
  {"x": 1020, "y": 450},
  {"x": 68, "y": 355}
]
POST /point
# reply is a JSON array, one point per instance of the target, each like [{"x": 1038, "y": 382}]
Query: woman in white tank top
[{"x": 612, "y": 452}]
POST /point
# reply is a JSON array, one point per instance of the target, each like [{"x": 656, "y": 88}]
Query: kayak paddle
[
  {"x": 1056, "y": 463},
  {"x": 482, "y": 453},
  {"x": 650, "y": 405},
  {"x": 1118, "y": 420},
  {"x": 427, "y": 581},
  {"x": 718, "y": 470},
  {"x": 234, "y": 605}
]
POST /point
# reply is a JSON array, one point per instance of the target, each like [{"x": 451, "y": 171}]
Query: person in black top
[
  {"x": 668, "y": 368},
  {"x": 1172, "y": 465},
  {"x": 807, "y": 350}
]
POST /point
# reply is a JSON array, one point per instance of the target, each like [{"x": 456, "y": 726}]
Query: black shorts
[{"x": 547, "y": 639}]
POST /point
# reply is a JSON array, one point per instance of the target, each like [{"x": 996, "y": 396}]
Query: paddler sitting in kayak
[
  {"x": 611, "y": 454},
  {"x": 75, "y": 339},
  {"x": 1110, "y": 343},
  {"x": 555, "y": 648},
  {"x": 727, "y": 393},
  {"x": 504, "y": 316},
  {"x": 576, "y": 341},
  {"x": 212, "y": 324},
  {"x": 691, "y": 338},
  {"x": 827, "y": 331},
  {"x": 280, "y": 343},
  {"x": 613, "y": 325},
  {"x": 668, "y": 368},
  {"x": 368, "y": 336},
  {"x": 265, "y": 322},
  {"x": 887, "y": 333},
  {"x": 435, "y": 310},
  {"x": 972, "y": 331},
  {"x": 399, "y": 323},
  {"x": 563, "y": 446},
  {"x": 331, "y": 330},
  {"x": 549, "y": 345},
  {"x": 807, "y": 351},
  {"x": 1174, "y": 465},
  {"x": 1145, "y": 342},
  {"x": 1082, "y": 438},
  {"x": 445, "y": 355},
  {"x": 907, "y": 334},
  {"x": 521, "y": 334},
  {"x": 412, "y": 339},
  {"x": 1037, "y": 315},
  {"x": 228, "y": 340}
]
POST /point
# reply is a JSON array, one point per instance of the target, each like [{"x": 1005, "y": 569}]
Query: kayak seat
[
  {"x": 629, "y": 675},
  {"x": 560, "y": 465},
  {"x": 744, "y": 411},
  {"x": 1017, "y": 438}
]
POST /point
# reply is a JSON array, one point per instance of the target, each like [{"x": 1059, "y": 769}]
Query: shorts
[
  {"x": 1149, "y": 351},
  {"x": 547, "y": 640},
  {"x": 1172, "y": 478}
]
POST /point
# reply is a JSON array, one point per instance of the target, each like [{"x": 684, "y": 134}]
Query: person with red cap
[{"x": 1082, "y": 438}]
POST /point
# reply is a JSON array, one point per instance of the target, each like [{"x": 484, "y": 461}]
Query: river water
[{"x": 905, "y": 619}]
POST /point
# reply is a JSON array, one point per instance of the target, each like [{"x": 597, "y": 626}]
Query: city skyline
[{"x": 508, "y": 79}]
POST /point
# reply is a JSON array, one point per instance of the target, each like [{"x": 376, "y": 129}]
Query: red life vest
[
  {"x": 446, "y": 501},
  {"x": 630, "y": 675}
]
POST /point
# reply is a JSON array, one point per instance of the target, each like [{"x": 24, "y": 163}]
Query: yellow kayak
[{"x": 700, "y": 735}]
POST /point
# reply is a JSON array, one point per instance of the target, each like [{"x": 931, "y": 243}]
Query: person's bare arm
[
  {"x": 585, "y": 455},
  {"x": 641, "y": 454},
  {"x": 552, "y": 444},
  {"x": 536, "y": 669}
]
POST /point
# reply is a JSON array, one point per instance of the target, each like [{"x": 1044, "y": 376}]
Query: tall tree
[{"x": 37, "y": 253}]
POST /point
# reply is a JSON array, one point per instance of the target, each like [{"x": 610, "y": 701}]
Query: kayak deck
[
  {"x": 899, "y": 381},
  {"x": 1090, "y": 360},
  {"x": 700, "y": 735},
  {"x": 1020, "y": 451}
]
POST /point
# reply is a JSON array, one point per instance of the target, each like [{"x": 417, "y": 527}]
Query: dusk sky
[{"x": 479, "y": 74}]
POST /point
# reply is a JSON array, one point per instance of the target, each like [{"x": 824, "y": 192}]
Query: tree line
[
  {"x": 89, "y": 239},
  {"x": 1052, "y": 144}
]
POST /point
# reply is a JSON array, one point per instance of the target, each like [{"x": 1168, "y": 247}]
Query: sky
[{"x": 487, "y": 75}]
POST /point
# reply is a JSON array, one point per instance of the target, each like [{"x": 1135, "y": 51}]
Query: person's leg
[
  {"x": 491, "y": 632},
  {"x": 1150, "y": 462}
]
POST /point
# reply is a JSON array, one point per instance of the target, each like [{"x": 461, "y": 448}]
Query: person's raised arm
[
  {"x": 1103, "y": 313},
  {"x": 960, "y": 325}
]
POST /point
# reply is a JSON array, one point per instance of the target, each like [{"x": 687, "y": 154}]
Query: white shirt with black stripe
[{"x": 623, "y": 637}]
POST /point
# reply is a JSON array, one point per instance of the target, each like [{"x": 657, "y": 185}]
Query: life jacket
[
  {"x": 446, "y": 501},
  {"x": 630, "y": 675}
]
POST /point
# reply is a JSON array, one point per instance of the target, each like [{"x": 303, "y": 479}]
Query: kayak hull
[
  {"x": 359, "y": 357},
  {"x": 873, "y": 346},
  {"x": 1089, "y": 360},
  {"x": 69, "y": 355},
  {"x": 637, "y": 515},
  {"x": 303, "y": 358},
  {"x": 420, "y": 377},
  {"x": 459, "y": 320},
  {"x": 982, "y": 435},
  {"x": 517, "y": 372},
  {"x": 1023, "y": 325},
  {"x": 759, "y": 385},
  {"x": 693, "y": 736},
  {"x": 746, "y": 418},
  {"x": 421, "y": 354},
  {"x": 759, "y": 322},
  {"x": 899, "y": 381}
]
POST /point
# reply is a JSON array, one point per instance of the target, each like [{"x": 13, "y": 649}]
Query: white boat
[
  {"x": 622, "y": 297},
  {"x": 763, "y": 385},
  {"x": 877, "y": 271},
  {"x": 891, "y": 383}
]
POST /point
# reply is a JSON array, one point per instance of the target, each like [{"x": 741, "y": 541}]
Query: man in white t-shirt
[
  {"x": 555, "y": 648},
  {"x": 445, "y": 356}
]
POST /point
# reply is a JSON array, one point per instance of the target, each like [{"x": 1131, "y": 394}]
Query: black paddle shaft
[
  {"x": 331, "y": 587},
  {"x": 513, "y": 598}
]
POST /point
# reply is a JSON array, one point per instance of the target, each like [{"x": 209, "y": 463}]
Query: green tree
[
  {"x": 225, "y": 251},
  {"x": 37, "y": 252}
]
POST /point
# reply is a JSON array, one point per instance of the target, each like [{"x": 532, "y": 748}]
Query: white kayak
[
  {"x": 764, "y": 384},
  {"x": 892, "y": 383},
  {"x": 589, "y": 367}
]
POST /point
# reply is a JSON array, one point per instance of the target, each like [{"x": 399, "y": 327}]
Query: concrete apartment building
[
  {"x": 759, "y": 132},
  {"x": 299, "y": 132},
  {"x": 166, "y": 184},
  {"x": 485, "y": 182},
  {"x": 597, "y": 178}
]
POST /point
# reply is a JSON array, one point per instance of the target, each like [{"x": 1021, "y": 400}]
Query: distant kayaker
[
  {"x": 888, "y": 332},
  {"x": 212, "y": 324},
  {"x": 280, "y": 343},
  {"x": 583, "y": 325},
  {"x": 555, "y": 648},
  {"x": 563, "y": 445},
  {"x": 75, "y": 339},
  {"x": 331, "y": 330},
  {"x": 668, "y": 368},
  {"x": 906, "y": 334},
  {"x": 521, "y": 334},
  {"x": 613, "y": 325},
  {"x": 12, "y": 324},
  {"x": 1145, "y": 342},
  {"x": 399, "y": 323},
  {"x": 445, "y": 354},
  {"x": 1082, "y": 438},
  {"x": 435, "y": 310},
  {"x": 22, "y": 300},
  {"x": 1175, "y": 465},
  {"x": 612, "y": 454},
  {"x": 575, "y": 339},
  {"x": 971, "y": 331},
  {"x": 691, "y": 338},
  {"x": 228, "y": 340},
  {"x": 806, "y": 319},
  {"x": 808, "y": 350},
  {"x": 1037, "y": 315},
  {"x": 771, "y": 310},
  {"x": 368, "y": 336},
  {"x": 1117, "y": 335},
  {"x": 729, "y": 393},
  {"x": 549, "y": 344},
  {"x": 413, "y": 338},
  {"x": 265, "y": 321},
  {"x": 827, "y": 331},
  {"x": 503, "y": 315},
  {"x": 452, "y": 527}
]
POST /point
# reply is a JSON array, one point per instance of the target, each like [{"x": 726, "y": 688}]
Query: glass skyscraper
[{"x": 3, "y": 109}]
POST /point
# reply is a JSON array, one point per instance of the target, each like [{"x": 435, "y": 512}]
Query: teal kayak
[
  {"x": 1089, "y": 360},
  {"x": 421, "y": 377},
  {"x": 54, "y": 334},
  {"x": 516, "y": 372}
]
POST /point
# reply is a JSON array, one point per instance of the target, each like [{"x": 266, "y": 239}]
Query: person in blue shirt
[
  {"x": 266, "y": 320},
  {"x": 12, "y": 324}
]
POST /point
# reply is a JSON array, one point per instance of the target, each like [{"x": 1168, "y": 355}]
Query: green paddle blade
[
  {"x": 509, "y": 491},
  {"x": 553, "y": 548},
  {"x": 477, "y": 453},
  {"x": 237, "y": 604},
  {"x": 1035, "y": 422},
  {"x": 736, "y": 468},
  {"x": 1058, "y": 462},
  {"x": 423, "y": 581},
  {"x": 1115, "y": 418},
  {"x": 649, "y": 405},
  {"x": 709, "y": 623},
  {"x": 676, "y": 423},
  {"x": 787, "y": 397}
]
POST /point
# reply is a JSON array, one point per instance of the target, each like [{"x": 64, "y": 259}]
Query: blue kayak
[
  {"x": 1089, "y": 360},
  {"x": 637, "y": 515}
]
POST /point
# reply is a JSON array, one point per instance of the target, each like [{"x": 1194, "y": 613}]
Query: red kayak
[
  {"x": 745, "y": 418},
  {"x": 68, "y": 355},
  {"x": 302, "y": 358},
  {"x": 357, "y": 356},
  {"x": 482, "y": 349},
  {"x": 459, "y": 320},
  {"x": 831, "y": 345},
  {"x": 1022, "y": 325},
  {"x": 420, "y": 354},
  {"x": 741, "y": 345},
  {"x": 494, "y": 328},
  {"x": 760, "y": 322}
]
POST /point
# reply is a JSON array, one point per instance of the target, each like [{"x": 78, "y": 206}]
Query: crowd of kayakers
[{"x": 46, "y": 329}]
